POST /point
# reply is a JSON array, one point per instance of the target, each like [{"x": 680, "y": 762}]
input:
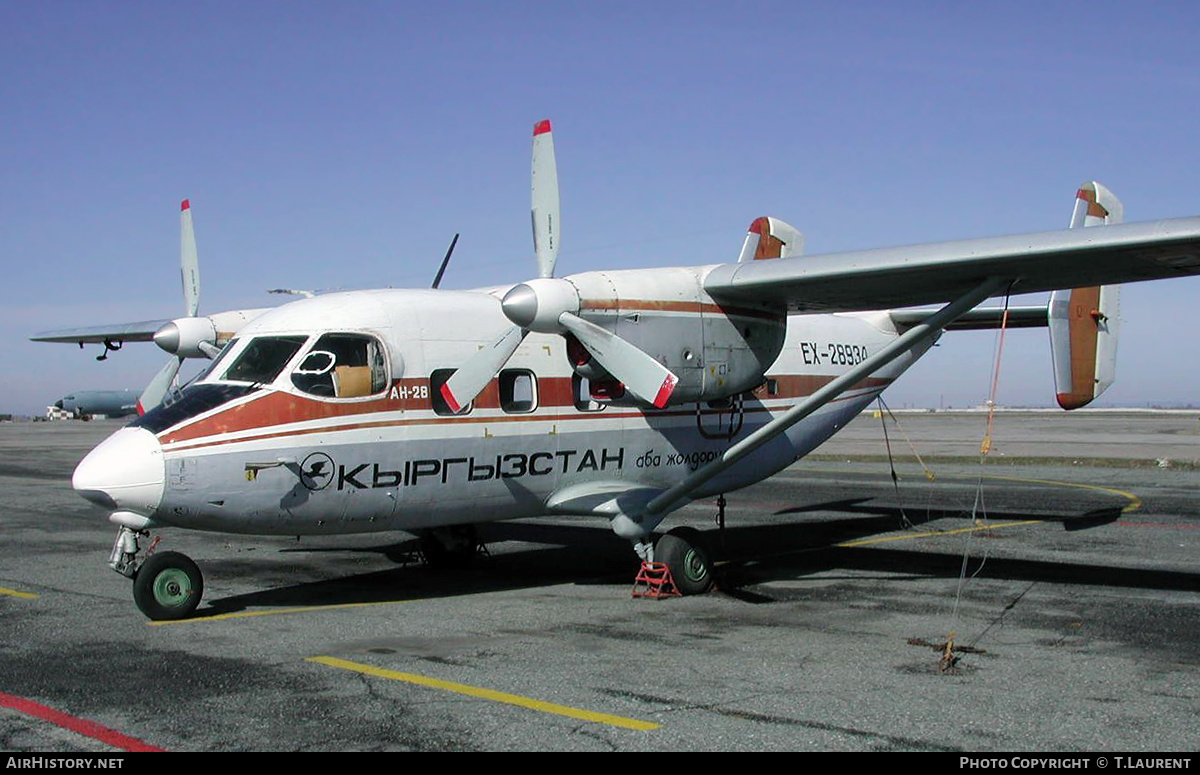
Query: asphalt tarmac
[{"x": 1065, "y": 568}]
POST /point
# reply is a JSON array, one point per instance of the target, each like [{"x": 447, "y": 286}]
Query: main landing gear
[
  {"x": 166, "y": 586},
  {"x": 452, "y": 547},
  {"x": 685, "y": 551}
]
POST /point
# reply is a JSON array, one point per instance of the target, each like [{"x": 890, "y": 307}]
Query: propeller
[
  {"x": 551, "y": 306},
  {"x": 168, "y": 337},
  {"x": 158, "y": 387},
  {"x": 189, "y": 264},
  {"x": 545, "y": 204}
]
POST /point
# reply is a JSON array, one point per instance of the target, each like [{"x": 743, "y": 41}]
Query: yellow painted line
[
  {"x": 276, "y": 612},
  {"x": 488, "y": 694},
  {"x": 936, "y": 533},
  {"x": 1134, "y": 501},
  {"x": 15, "y": 593}
]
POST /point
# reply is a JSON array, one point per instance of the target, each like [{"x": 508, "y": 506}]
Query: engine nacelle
[
  {"x": 715, "y": 350},
  {"x": 185, "y": 336}
]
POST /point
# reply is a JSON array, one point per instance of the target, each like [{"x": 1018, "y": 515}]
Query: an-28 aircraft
[{"x": 621, "y": 395}]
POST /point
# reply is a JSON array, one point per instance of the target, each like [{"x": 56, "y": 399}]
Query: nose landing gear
[{"x": 166, "y": 586}]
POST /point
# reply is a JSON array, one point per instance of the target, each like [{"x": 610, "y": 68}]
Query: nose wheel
[{"x": 168, "y": 586}]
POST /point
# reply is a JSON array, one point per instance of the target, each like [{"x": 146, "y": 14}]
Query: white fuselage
[{"x": 279, "y": 460}]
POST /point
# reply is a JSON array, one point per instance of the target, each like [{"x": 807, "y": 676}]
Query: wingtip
[{"x": 541, "y": 127}]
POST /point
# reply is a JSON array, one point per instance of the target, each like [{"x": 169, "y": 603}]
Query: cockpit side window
[
  {"x": 343, "y": 366},
  {"x": 263, "y": 358}
]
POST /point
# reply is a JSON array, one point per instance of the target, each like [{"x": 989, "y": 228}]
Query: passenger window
[
  {"x": 436, "y": 380},
  {"x": 581, "y": 393},
  {"x": 518, "y": 391},
  {"x": 262, "y": 360},
  {"x": 343, "y": 366}
]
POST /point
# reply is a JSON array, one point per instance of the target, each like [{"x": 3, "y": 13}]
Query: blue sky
[{"x": 342, "y": 145}]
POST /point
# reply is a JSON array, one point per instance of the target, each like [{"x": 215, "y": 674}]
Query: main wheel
[
  {"x": 684, "y": 551},
  {"x": 451, "y": 547},
  {"x": 168, "y": 586}
]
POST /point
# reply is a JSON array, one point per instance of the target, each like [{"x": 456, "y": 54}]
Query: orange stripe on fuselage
[
  {"x": 695, "y": 307},
  {"x": 278, "y": 408}
]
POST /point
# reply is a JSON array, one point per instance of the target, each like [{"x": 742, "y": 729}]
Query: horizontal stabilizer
[{"x": 978, "y": 319}]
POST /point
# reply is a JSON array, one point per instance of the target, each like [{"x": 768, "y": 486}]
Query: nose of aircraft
[{"x": 126, "y": 472}]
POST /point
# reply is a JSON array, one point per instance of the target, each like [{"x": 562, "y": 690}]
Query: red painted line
[
  {"x": 541, "y": 127},
  {"x": 82, "y": 726}
]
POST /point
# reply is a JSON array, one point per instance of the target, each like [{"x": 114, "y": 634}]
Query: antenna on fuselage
[{"x": 445, "y": 262}]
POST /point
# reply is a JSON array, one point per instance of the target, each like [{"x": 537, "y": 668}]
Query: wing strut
[{"x": 927, "y": 329}]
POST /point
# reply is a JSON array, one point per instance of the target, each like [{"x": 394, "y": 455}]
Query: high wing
[
  {"x": 957, "y": 274},
  {"x": 927, "y": 274},
  {"x": 142, "y": 331}
]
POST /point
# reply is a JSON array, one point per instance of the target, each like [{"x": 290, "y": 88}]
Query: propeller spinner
[{"x": 551, "y": 306}]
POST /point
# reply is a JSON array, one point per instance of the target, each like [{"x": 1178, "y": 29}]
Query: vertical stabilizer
[
  {"x": 1084, "y": 321},
  {"x": 771, "y": 238}
]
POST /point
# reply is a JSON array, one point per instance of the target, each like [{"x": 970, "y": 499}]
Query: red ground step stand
[{"x": 654, "y": 580}]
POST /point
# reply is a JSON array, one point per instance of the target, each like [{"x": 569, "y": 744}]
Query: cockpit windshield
[
  {"x": 263, "y": 359},
  {"x": 258, "y": 363},
  {"x": 217, "y": 364},
  {"x": 338, "y": 365}
]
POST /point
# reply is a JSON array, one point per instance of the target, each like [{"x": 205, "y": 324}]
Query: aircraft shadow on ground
[
  {"x": 574, "y": 555},
  {"x": 749, "y": 555}
]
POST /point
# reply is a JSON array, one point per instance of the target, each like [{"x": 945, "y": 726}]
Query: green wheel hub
[
  {"x": 684, "y": 551},
  {"x": 168, "y": 586},
  {"x": 172, "y": 588},
  {"x": 694, "y": 565}
]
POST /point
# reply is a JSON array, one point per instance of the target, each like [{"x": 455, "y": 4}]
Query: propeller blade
[
  {"x": 189, "y": 264},
  {"x": 545, "y": 209},
  {"x": 643, "y": 376},
  {"x": 469, "y": 381},
  {"x": 445, "y": 261},
  {"x": 154, "y": 393}
]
